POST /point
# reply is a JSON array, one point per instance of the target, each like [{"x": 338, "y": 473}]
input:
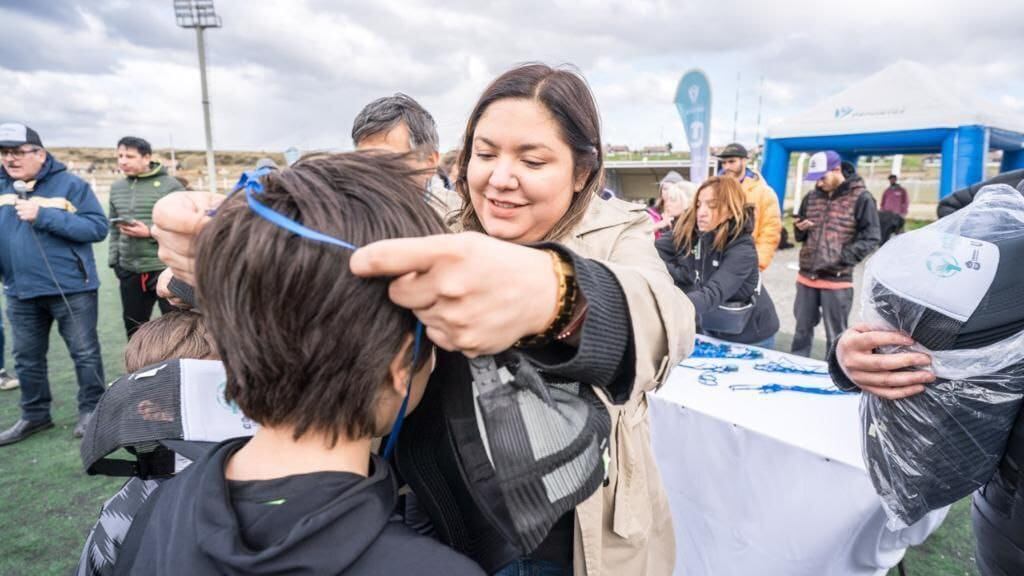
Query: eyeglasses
[{"x": 17, "y": 153}]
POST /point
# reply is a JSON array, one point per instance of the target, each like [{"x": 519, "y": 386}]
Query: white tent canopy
[{"x": 904, "y": 96}]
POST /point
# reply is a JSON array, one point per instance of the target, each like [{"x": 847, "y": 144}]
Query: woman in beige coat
[
  {"x": 529, "y": 174},
  {"x": 531, "y": 167}
]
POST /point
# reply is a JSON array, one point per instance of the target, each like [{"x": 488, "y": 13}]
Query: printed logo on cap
[{"x": 818, "y": 163}]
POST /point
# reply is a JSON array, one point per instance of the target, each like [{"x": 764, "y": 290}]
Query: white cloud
[
  {"x": 296, "y": 72},
  {"x": 1012, "y": 102}
]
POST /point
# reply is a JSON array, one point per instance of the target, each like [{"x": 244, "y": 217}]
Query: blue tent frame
[{"x": 963, "y": 152}]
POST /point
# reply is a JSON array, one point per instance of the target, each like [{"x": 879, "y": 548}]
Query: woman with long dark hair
[{"x": 530, "y": 168}]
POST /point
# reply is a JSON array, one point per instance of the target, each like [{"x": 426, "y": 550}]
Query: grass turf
[{"x": 47, "y": 504}]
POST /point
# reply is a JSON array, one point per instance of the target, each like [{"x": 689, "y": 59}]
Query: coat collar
[{"x": 603, "y": 214}]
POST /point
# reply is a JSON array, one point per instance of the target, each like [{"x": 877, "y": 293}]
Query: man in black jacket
[{"x": 838, "y": 225}]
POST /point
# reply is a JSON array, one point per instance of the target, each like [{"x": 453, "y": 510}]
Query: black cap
[
  {"x": 546, "y": 442},
  {"x": 734, "y": 150},
  {"x": 177, "y": 400},
  {"x": 13, "y": 135}
]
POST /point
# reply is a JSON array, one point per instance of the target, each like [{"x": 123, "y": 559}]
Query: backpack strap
[
  {"x": 133, "y": 539},
  {"x": 156, "y": 464}
]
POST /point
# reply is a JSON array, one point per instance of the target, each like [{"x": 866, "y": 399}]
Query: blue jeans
[
  {"x": 768, "y": 343},
  {"x": 31, "y": 321},
  {"x": 531, "y": 567}
]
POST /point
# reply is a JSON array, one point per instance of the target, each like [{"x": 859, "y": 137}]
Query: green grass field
[{"x": 47, "y": 504}]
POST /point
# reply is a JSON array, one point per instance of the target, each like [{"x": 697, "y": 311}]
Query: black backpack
[{"x": 165, "y": 416}]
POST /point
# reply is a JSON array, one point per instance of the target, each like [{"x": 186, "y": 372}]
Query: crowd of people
[
  {"x": 727, "y": 234},
  {"x": 378, "y": 293}
]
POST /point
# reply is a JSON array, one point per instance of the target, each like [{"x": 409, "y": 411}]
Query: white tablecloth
[{"x": 770, "y": 484}]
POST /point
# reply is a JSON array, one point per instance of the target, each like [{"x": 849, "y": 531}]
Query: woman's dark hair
[
  {"x": 565, "y": 94},
  {"x": 304, "y": 342},
  {"x": 730, "y": 200}
]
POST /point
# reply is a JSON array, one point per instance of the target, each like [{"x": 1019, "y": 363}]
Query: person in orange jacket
[{"x": 767, "y": 214}]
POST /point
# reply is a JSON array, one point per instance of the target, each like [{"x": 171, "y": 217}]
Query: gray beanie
[{"x": 671, "y": 178}]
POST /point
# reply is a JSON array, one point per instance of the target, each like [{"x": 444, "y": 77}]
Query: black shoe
[
  {"x": 83, "y": 422},
  {"x": 23, "y": 429}
]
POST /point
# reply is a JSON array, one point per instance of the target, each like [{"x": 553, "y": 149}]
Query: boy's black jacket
[{"x": 195, "y": 529}]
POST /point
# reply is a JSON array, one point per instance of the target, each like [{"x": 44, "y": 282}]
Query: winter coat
[
  {"x": 896, "y": 199},
  {"x": 133, "y": 198},
  {"x": 625, "y": 527},
  {"x": 961, "y": 198},
  {"x": 712, "y": 277},
  {"x": 845, "y": 231},
  {"x": 194, "y": 528},
  {"x": 767, "y": 216},
  {"x": 70, "y": 219}
]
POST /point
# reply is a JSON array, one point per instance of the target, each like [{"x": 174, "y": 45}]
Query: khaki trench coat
[{"x": 626, "y": 527}]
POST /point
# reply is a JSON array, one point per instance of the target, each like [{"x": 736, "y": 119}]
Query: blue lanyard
[
  {"x": 785, "y": 366},
  {"x": 772, "y": 388},
  {"x": 707, "y": 376},
  {"x": 718, "y": 368},
  {"x": 250, "y": 182},
  {"x": 705, "y": 349}
]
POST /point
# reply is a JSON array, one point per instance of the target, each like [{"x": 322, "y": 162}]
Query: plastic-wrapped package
[{"x": 956, "y": 287}]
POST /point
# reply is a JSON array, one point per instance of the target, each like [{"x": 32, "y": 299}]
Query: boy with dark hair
[
  {"x": 133, "y": 252},
  {"x": 322, "y": 361}
]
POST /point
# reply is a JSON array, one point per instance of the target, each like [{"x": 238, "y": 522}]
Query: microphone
[{"x": 21, "y": 188}]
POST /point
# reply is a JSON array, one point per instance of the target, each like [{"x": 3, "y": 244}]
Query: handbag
[{"x": 731, "y": 317}]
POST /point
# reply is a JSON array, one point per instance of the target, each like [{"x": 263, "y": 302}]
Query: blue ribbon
[
  {"x": 705, "y": 349},
  {"x": 719, "y": 368},
  {"x": 772, "y": 388},
  {"x": 250, "y": 182},
  {"x": 397, "y": 426},
  {"x": 785, "y": 366}
]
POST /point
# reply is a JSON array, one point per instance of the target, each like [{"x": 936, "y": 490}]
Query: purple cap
[{"x": 822, "y": 162}]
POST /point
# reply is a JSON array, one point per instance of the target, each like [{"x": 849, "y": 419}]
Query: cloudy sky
[{"x": 296, "y": 72}]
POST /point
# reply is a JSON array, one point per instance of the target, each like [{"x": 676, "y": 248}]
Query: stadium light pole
[{"x": 199, "y": 14}]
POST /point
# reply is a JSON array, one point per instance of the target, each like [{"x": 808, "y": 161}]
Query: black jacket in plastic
[{"x": 961, "y": 198}]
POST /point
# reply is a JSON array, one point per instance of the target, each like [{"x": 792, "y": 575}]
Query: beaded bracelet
[{"x": 567, "y": 291}]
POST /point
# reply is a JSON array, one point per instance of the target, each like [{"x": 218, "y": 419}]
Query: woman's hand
[
  {"x": 177, "y": 220},
  {"x": 474, "y": 293},
  {"x": 880, "y": 374}
]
